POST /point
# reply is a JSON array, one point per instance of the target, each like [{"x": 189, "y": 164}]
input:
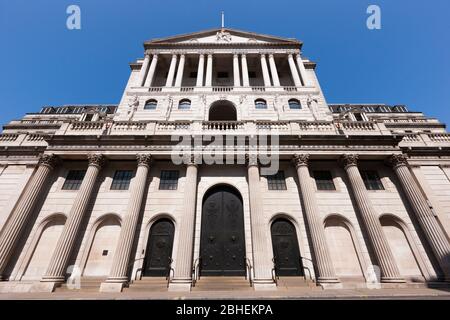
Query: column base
[
  {"x": 57, "y": 279},
  {"x": 45, "y": 286},
  {"x": 183, "y": 285},
  {"x": 392, "y": 280},
  {"x": 264, "y": 284},
  {"x": 112, "y": 286},
  {"x": 328, "y": 280}
]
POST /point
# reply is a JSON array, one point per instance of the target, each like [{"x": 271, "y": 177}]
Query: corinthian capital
[
  {"x": 96, "y": 159},
  {"x": 48, "y": 160},
  {"x": 300, "y": 160},
  {"x": 251, "y": 159},
  {"x": 348, "y": 160},
  {"x": 397, "y": 160},
  {"x": 144, "y": 159}
]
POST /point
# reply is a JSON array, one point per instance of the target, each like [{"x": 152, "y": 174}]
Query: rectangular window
[
  {"x": 324, "y": 180},
  {"x": 277, "y": 181},
  {"x": 371, "y": 180},
  {"x": 168, "y": 180},
  {"x": 121, "y": 180},
  {"x": 74, "y": 179}
]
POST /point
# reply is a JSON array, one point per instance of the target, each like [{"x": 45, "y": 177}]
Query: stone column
[
  {"x": 118, "y": 275},
  {"x": 58, "y": 263},
  {"x": 303, "y": 73},
  {"x": 273, "y": 71},
  {"x": 245, "y": 80},
  {"x": 435, "y": 235},
  {"x": 209, "y": 63},
  {"x": 324, "y": 264},
  {"x": 294, "y": 72},
  {"x": 201, "y": 66},
  {"x": 20, "y": 216},
  {"x": 170, "y": 75},
  {"x": 236, "y": 75},
  {"x": 265, "y": 71},
  {"x": 143, "y": 70},
  {"x": 183, "y": 270},
  {"x": 151, "y": 71},
  {"x": 180, "y": 71},
  {"x": 262, "y": 264},
  {"x": 385, "y": 258}
]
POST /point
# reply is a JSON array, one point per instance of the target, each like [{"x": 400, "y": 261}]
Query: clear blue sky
[{"x": 44, "y": 63}]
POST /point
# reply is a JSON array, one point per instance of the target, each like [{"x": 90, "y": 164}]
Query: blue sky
[{"x": 44, "y": 63}]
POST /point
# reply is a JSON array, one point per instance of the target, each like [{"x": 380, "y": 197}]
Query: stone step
[
  {"x": 296, "y": 282},
  {"x": 87, "y": 284},
  {"x": 222, "y": 284},
  {"x": 148, "y": 284}
]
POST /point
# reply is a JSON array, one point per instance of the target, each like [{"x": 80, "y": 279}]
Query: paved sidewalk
[{"x": 424, "y": 293}]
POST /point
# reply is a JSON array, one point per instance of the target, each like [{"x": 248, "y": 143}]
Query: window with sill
[
  {"x": 260, "y": 104},
  {"x": 121, "y": 180},
  {"x": 168, "y": 180},
  {"x": 294, "y": 104},
  {"x": 74, "y": 179},
  {"x": 276, "y": 181},
  {"x": 150, "y": 104},
  {"x": 324, "y": 180},
  {"x": 372, "y": 180}
]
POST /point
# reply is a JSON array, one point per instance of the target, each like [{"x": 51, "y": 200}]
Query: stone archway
[
  {"x": 285, "y": 248},
  {"x": 222, "y": 110}
]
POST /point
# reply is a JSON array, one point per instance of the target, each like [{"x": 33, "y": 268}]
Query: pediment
[{"x": 226, "y": 36}]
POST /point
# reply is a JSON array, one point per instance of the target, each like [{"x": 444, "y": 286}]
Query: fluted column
[
  {"x": 170, "y": 75},
  {"x": 180, "y": 71},
  {"x": 303, "y": 73},
  {"x": 58, "y": 263},
  {"x": 12, "y": 231},
  {"x": 236, "y": 75},
  {"x": 265, "y": 71},
  {"x": 151, "y": 71},
  {"x": 433, "y": 232},
  {"x": 143, "y": 70},
  {"x": 209, "y": 65},
  {"x": 294, "y": 72},
  {"x": 322, "y": 255},
  {"x": 183, "y": 269},
  {"x": 385, "y": 258},
  {"x": 262, "y": 264},
  {"x": 201, "y": 66},
  {"x": 274, "y": 71},
  {"x": 121, "y": 260},
  {"x": 245, "y": 79}
]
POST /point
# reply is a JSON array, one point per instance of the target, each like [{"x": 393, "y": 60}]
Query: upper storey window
[
  {"x": 260, "y": 104},
  {"x": 294, "y": 104},
  {"x": 184, "y": 104},
  {"x": 150, "y": 104}
]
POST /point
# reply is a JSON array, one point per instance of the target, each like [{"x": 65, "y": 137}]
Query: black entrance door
[
  {"x": 222, "y": 245},
  {"x": 285, "y": 249},
  {"x": 159, "y": 249}
]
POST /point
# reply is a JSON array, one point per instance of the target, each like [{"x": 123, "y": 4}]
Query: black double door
[
  {"x": 222, "y": 245},
  {"x": 285, "y": 249},
  {"x": 159, "y": 249}
]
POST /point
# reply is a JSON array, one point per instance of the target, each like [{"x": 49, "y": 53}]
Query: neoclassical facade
[{"x": 169, "y": 184}]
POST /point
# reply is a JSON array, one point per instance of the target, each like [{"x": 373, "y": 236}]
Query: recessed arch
[
  {"x": 150, "y": 104},
  {"x": 222, "y": 110}
]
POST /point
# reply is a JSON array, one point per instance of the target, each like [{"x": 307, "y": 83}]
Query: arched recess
[
  {"x": 222, "y": 110},
  {"x": 404, "y": 249},
  {"x": 43, "y": 245},
  {"x": 344, "y": 248},
  {"x": 102, "y": 242}
]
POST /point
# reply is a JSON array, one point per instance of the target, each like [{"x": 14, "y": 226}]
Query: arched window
[
  {"x": 184, "y": 104},
  {"x": 294, "y": 104},
  {"x": 260, "y": 104},
  {"x": 150, "y": 104}
]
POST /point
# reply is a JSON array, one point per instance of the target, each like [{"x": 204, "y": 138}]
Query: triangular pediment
[{"x": 225, "y": 35}]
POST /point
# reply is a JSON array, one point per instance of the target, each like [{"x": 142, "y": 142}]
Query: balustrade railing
[
  {"x": 223, "y": 125},
  {"x": 7, "y": 137},
  {"x": 87, "y": 125},
  {"x": 439, "y": 137}
]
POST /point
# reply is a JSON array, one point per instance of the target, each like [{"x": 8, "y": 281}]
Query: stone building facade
[{"x": 361, "y": 194}]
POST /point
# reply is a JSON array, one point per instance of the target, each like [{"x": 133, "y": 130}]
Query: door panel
[
  {"x": 285, "y": 249},
  {"x": 159, "y": 249},
  {"x": 222, "y": 246}
]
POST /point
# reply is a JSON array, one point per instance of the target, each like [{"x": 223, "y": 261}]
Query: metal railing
[
  {"x": 137, "y": 270},
  {"x": 196, "y": 270},
  {"x": 307, "y": 268},
  {"x": 248, "y": 275},
  {"x": 274, "y": 272},
  {"x": 170, "y": 272}
]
